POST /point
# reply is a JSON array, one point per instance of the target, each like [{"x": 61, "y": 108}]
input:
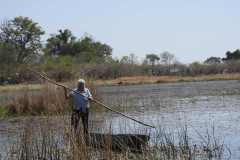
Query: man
[{"x": 80, "y": 105}]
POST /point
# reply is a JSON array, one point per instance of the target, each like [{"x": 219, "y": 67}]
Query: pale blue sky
[{"x": 191, "y": 29}]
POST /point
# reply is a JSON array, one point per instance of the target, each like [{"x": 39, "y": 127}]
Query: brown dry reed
[
  {"x": 44, "y": 139},
  {"x": 48, "y": 100}
]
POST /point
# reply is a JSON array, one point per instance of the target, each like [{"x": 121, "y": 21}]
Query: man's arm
[{"x": 90, "y": 98}]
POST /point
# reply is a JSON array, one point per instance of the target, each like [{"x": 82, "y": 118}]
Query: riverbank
[
  {"x": 165, "y": 79},
  {"x": 134, "y": 80}
]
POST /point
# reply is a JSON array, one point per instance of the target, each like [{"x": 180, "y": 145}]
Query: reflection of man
[{"x": 80, "y": 105}]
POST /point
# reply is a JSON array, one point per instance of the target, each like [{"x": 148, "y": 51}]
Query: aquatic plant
[{"x": 45, "y": 140}]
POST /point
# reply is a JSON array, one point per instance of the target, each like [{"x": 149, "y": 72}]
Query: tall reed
[
  {"x": 48, "y": 100},
  {"x": 47, "y": 140}
]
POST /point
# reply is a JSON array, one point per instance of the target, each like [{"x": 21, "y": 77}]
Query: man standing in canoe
[{"x": 80, "y": 105}]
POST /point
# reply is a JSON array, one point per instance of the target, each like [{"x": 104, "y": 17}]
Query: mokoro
[{"x": 119, "y": 142}]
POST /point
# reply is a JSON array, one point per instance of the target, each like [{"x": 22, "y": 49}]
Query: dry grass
[
  {"x": 132, "y": 81},
  {"x": 166, "y": 79},
  {"x": 49, "y": 99},
  {"x": 39, "y": 141},
  {"x": 17, "y": 87}
]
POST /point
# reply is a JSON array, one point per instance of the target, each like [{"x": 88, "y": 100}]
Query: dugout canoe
[{"x": 119, "y": 142}]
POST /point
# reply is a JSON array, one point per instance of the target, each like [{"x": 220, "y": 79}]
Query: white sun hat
[{"x": 81, "y": 81}]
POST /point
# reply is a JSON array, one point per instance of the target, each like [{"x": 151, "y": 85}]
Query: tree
[
  {"x": 196, "y": 68},
  {"x": 7, "y": 54},
  {"x": 131, "y": 59},
  {"x": 24, "y": 35},
  {"x": 89, "y": 50},
  {"x": 213, "y": 60},
  {"x": 61, "y": 43},
  {"x": 102, "y": 50},
  {"x": 167, "y": 59},
  {"x": 125, "y": 60},
  {"x": 232, "y": 55},
  {"x": 152, "y": 58},
  {"x": 84, "y": 49}
]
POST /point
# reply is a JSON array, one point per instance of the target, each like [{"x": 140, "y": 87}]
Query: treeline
[{"x": 64, "y": 56}]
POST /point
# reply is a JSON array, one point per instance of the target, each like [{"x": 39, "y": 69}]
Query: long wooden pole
[{"x": 94, "y": 100}]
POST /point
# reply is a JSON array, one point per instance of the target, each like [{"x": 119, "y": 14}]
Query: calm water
[{"x": 198, "y": 105}]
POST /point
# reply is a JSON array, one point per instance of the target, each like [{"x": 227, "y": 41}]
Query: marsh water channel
[{"x": 202, "y": 107}]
